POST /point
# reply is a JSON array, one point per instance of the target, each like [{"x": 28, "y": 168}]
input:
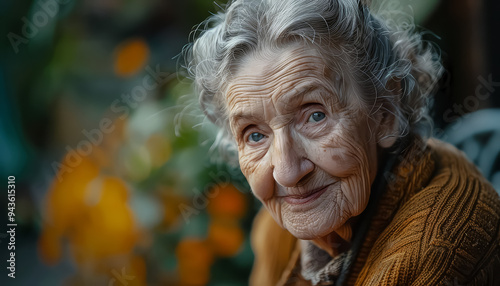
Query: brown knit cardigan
[{"x": 436, "y": 222}]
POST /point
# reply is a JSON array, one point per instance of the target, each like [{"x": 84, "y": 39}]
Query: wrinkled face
[{"x": 308, "y": 158}]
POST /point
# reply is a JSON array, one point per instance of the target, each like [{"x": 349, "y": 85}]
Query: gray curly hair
[{"x": 381, "y": 48}]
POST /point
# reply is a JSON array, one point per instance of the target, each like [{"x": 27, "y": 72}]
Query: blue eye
[
  {"x": 316, "y": 117},
  {"x": 256, "y": 137}
]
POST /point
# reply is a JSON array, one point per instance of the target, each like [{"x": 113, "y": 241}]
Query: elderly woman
[{"x": 325, "y": 103}]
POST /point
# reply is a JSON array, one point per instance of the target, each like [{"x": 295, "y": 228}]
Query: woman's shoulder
[
  {"x": 456, "y": 191},
  {"x": 460, "y": 191},
  {"x": 449, "y": 230},
  {"x": 464, "y": 215}
]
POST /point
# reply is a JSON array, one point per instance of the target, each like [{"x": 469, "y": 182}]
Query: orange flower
[
  {"x": 65, "y": 204},
  {"x": 66, "y": 197},
  {"x": 106, "y": 227},
  {"x": 225, "y": 237},
  {"x": 91, "y": 211},
  {"x": 131, "y": 56},
  {"x": 49, "y": 246},
  {"x": 228, "y": 202},
  {"x": 194, "y": 259}
]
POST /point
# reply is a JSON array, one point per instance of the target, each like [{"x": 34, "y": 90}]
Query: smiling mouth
[{"x": 303, "y": 199}]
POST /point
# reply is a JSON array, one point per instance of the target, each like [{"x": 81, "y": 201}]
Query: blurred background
[{"x": 115, "y": 184}]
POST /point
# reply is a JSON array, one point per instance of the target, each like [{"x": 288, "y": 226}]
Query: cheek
[
  {"x": 342, "y": 150},
  {"x": 356, "y": 190},
  {"x": 349, "y": 158},
  {"x": 337, "y": 155},
  {"x": 259, "y": 175}
]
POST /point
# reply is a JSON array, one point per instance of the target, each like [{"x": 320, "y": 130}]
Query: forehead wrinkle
[
  {"x": 241, "y": 106},
  {"x": 249, "y": 87},
  {"x": 293, "y": 64},
  {"x": 276, "y": 85},
  {"x": 251, "y": 108},
  {"x": 253, "y": 94},
  {"x": 285, "y": 78},
  {"x": 290, "y": 62}
]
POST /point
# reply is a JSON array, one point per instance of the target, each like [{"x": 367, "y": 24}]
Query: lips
[{"x": 303, "y": 199}]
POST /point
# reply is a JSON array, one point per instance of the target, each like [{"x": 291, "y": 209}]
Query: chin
[{"x": 311, "y": 233}]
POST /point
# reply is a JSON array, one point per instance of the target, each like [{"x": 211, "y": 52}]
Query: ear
[{"x": 388, "y": 127}]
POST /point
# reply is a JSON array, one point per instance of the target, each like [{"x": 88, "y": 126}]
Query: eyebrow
[
  {"x": 241, "y": 116},
  {"x": 244, "y": 115},
  {"x": 306, "y": 89}
]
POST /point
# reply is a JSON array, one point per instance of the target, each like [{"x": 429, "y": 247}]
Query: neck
[{"x": 337, "y": 241}]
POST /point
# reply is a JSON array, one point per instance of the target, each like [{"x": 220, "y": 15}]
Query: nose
[{"x": 288, "y": 159}]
